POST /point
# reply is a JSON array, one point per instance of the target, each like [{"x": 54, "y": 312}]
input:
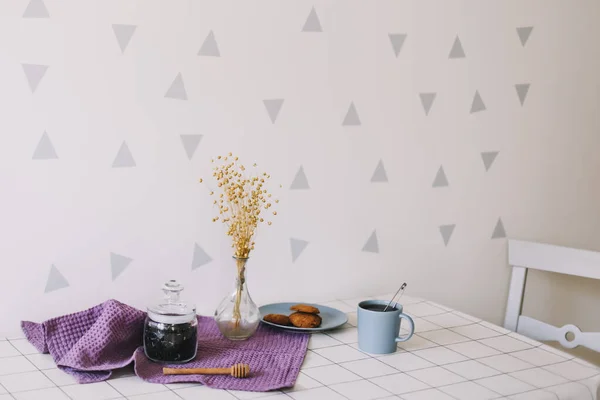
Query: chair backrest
[{"x": 528, "y": 255}]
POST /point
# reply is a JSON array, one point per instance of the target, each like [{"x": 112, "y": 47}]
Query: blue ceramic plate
[{"x": 331, "y": 317}]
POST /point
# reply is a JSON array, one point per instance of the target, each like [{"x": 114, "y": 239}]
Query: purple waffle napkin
[{"x": 91, "y": 343}]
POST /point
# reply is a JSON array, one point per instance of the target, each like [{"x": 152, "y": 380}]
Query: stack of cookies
[{"x": 305, "y": 317}]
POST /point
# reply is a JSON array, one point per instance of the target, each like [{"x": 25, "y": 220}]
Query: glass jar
[
  {"x": 238, "y": 316},
  {"x": 171, "y": 328}
]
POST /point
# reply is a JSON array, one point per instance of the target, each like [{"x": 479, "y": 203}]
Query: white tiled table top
[{"x": 451, "y": 356}]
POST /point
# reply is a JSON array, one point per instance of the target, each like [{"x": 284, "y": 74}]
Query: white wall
[{"x": 75, "y": 210}]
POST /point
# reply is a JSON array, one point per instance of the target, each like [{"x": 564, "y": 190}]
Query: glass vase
[{"x": 237, "y": 316}]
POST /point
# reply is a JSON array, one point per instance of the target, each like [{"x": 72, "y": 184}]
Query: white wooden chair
[{"x": 544, "y": 257}]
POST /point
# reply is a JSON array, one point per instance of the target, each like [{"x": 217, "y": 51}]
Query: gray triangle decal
[
  {"x": 372, "y": 245},
  {"x": 44, "y": 149},
  {"x": 34, "y": 74},
  {"x": 397, "y": 40},
  {"x": 273, "y": 107},
  {"x": 427, "y": 101},
  {"x": 209, "y": 48},
  {"x": 124, "y": 158},
  {"x": 36, "y": 9},
  {"x": 351, "y": 118},
  {"x": 118, "y": 264},
  {"x": 446, "y": 232},
  {"x": 201, "y": 257},
  {"x": 177, "y": 89},
  {"x": 457, "y": 50},
  {"x": 477, "y": 104},
  {"x": 300, "y": 181},
  {"x": 440, "y": 178},
  {"x": 312, "y": 23},
  {"x": 55, "y": 281},
  {"x": 297, "y": 246},
  {"x": 123, "y": 33},
  {"x": 190, "y": 144},
  {"x": 379, "y": 175},
  {"x": 524, "y": 33},
  {"x": 499, "y": 231},
  {"x": 522, "y": 90},
  {"x": 488, "y": 158}
]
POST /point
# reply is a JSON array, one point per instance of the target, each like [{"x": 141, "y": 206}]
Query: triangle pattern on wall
[
  {"x": 427, "y": 100},
  {"x": 372, "y": 244},
  {"x": 524, "y": 32},
  {"x": 297, "y": 247},
  {"x": 300, "y": 181},
  {"x": 34, "y": 74},
  {"x": 488, "y": 158},
  {"x": 55, "y": 281},
  {"x": 177, "y": 89},
  {"x": 123, "y": 33},
  {"x": 118, "y": 264},
  {"x": 210, "y": 48},
  {"x": 312, "y": 24},
  {"x": 522, "y": 90},
  {"x": 446, "y": 232},
  {"x": 457, "y": 50},
  {"x": 440, "y": 178},
  {"x": 499, "y": 231},
  {"x": 351, "y": 118},
  {"x": 36, "y": 9},
  {"x": 273, "y": 107},
  {"x": 200, "y": 257},
  {"x": 124, "y": 158},
  {"x": 379, "y": 175},
  {"x": 397, "y": 40},
  {"x": 190, "y": 144},
  {"x": 44, "y": 149},
  {"x": 477, "y": 104}
]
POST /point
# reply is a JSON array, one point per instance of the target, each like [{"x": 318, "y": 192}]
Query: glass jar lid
[{"x": 171, "y": 310}]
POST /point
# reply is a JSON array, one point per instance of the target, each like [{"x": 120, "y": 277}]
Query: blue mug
[{"x": 378, "y": 331}]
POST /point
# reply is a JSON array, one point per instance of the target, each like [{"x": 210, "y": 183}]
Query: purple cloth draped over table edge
[{"x": 91, "y": 343}]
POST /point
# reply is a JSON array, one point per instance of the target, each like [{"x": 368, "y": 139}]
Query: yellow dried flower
[{"x": 240, "y": 201}]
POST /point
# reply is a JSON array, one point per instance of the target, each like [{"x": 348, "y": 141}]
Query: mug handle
[{"x": 412, "y": 328}]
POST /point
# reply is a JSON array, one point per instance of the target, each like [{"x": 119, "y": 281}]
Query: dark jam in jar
[
  {"x": 170, "y": 343},
  {"x": 171, "y": 328}
]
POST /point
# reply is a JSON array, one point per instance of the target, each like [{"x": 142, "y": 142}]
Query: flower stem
[{"x": 241, "y": 269}]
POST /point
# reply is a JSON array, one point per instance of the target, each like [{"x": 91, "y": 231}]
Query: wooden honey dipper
[{"x": 236, "y": 370}]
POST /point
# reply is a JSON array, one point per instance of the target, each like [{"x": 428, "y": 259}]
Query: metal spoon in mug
[{"x": 395, "y": 304}]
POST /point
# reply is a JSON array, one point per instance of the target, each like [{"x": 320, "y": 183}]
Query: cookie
[
  {"x": 303, "y": 308},
  {"x": 305, "y": 320},
  {"x": 278, "y": 319}
]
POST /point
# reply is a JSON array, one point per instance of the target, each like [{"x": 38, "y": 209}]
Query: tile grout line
[
  {"x": 469, "y": 358},
  {"x": 442, "y": 365},
  {"x": 369, "y": 380},
  {"x": 177, "y": 394},
  {"x": 374, "y": 357},
  {"x": 37, "y": 369},
  {"x": 323, "y": 385},
  {"x": 59, "y": 387}
]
